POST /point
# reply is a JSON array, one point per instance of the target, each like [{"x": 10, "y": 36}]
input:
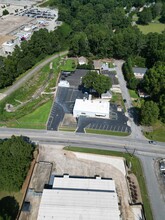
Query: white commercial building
[
  {"x": 8, "y": 47},
  {"x": 75, "y": 198},
  {"x": 91, "y": 108}
]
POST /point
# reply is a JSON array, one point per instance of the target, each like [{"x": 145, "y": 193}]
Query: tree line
[
  {"x": 15, "y": 158},
  {"x": 41, "y": 44},
  {"x": 153, "y": 84}
]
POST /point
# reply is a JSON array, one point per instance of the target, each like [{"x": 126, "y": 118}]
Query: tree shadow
[
  {"x": 134, "y": 113},
  {"x": 9, "y": 208}
]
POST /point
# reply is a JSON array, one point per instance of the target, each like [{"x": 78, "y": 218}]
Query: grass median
[
  {"x": 136, "y": 169},
  {"x": 106, "y": 132}
]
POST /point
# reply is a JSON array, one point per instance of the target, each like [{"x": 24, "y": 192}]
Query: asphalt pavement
[
  {"x": 142, "y": 149},
  {"x": 156, "y": 199},
  {"x": 136, "y": 130}
]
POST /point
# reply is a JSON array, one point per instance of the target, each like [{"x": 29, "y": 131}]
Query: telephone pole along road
[
  {"x": 145, "y": 151},
  {"x": 81, "y": 139}
]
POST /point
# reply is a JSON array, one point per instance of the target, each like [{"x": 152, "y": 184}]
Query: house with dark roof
[{"x": 139, "y": 72}]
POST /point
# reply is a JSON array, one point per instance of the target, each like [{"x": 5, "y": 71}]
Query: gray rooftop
[
  {"x": 139, "y": 70},
  {"x": 80, "y": 199}
]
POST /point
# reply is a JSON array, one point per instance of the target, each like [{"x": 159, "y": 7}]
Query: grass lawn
[
  {"x": 105, "y": 132},
  {"x": 133, "y": 94},
  {"x": 152, "y": 27},
  {"x": 136, "y": 169},
  {"x": 158, "y": 133},
  {"x": 32, "y": 87},
  {"x": 37, "y": 119},
  {"x": 68, "y": 65},
  {"x": 118, "y": 100},
  {"x": 67, "y": 129},
  {"x": 111, "y": 65}
]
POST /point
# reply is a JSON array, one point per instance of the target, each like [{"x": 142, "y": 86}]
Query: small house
[
  {"x": 139, "y": 72},
  {"x": 82, "y": 61}
]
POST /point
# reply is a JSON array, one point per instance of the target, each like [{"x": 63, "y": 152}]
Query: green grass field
[
  {"x": 133, "y": 94},
  {"x": 32, "y": 87},
  {"x": 68, "y": 65},
  {"x": 136, "y": 169},
  {"x": 105, "y": 132},
  {"x": 158, "y": 133},
  {"x": 36, "y": 119},
  {"x": 118, "y": 100},
  {"x": 152, "y": 27}
]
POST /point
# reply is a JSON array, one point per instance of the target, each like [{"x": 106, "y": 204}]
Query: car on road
[
  {"x": 124, "y": 100},
  {"x": 152, "y": 142}
]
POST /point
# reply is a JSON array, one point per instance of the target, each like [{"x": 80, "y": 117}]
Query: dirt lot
[
  {"x": 80, "y": 164},
  {"x": 6, "y": 26}
]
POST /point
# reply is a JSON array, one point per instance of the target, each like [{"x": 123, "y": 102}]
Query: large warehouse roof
[{"x": 80, "y": 199}]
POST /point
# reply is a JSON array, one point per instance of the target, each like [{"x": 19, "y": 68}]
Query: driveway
[
  {"x": 19, "y": 83},
  {"x": 136, "y": 130},
  {"x": 156, "y": 198}
]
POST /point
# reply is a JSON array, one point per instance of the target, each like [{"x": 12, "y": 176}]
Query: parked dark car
[{"x": 152, "y": 142}]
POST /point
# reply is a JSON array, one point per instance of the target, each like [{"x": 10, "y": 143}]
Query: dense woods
[{"x": 15, "y": 158}]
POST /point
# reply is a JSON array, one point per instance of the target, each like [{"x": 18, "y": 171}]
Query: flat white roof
[
  {"x": 80, "y": 199},
  {"x": 84, "y": 183},
  {"x": 99, "y": 106}
]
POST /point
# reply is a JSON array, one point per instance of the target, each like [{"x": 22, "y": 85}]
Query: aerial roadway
[{"x": 140, "y": 147}]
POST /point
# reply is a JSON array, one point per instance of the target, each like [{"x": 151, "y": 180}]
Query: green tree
[
  {"x": 145, "y": 16},
  {"x": 16, "y": 155},
  {"x": 89, "y": 78},
  {"x": 5, "y": 12},
  {"x": 156, "y": 9},
  {"x": 102, "y": 84},
  {"x": 154, "y": 81},
  {"x": 149, "y": 113},
  {"x": 162, "y": 107},
  {"x": 98, "y": 82}
]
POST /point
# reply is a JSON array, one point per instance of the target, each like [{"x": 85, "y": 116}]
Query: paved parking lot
[
  {"x": 74, "y": 78},
  {"x": 117, "y": 123},
  {"x": 56, "y": 116},
  {"x": 112, "y": 76},
  {"x": 64, "y": 103}
]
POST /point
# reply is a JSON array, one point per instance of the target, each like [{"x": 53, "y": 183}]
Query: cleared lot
[
  {"x": 78, "y": 164},
  {"x": 6, "y": 26}
]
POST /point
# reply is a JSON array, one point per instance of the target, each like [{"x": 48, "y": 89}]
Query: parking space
[
  {"x": 64, "y": 103},
  {"x": 74, "y": 78},
  {"x": 112, "y": 75},
  {"x": 56, "y": 116},
  {"x": 117, "y": 123}
]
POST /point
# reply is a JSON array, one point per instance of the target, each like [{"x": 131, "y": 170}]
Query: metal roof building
[
  {"x": 77, "y": 198},
  {"x": 91, "y": 108}
]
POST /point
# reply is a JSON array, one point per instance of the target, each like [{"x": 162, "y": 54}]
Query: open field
[
  {"x": 152, "y": 27},
  {"x": 136, "y": 169},
  {"x": 28, "y": 98},
  {"x": 36, "y": 119},
  {"x": 158, "y": 133},
  {"x": 106, "y": 132}
]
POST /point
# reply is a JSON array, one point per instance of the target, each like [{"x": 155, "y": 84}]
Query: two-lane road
[{"x": 145, "y": 151}]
